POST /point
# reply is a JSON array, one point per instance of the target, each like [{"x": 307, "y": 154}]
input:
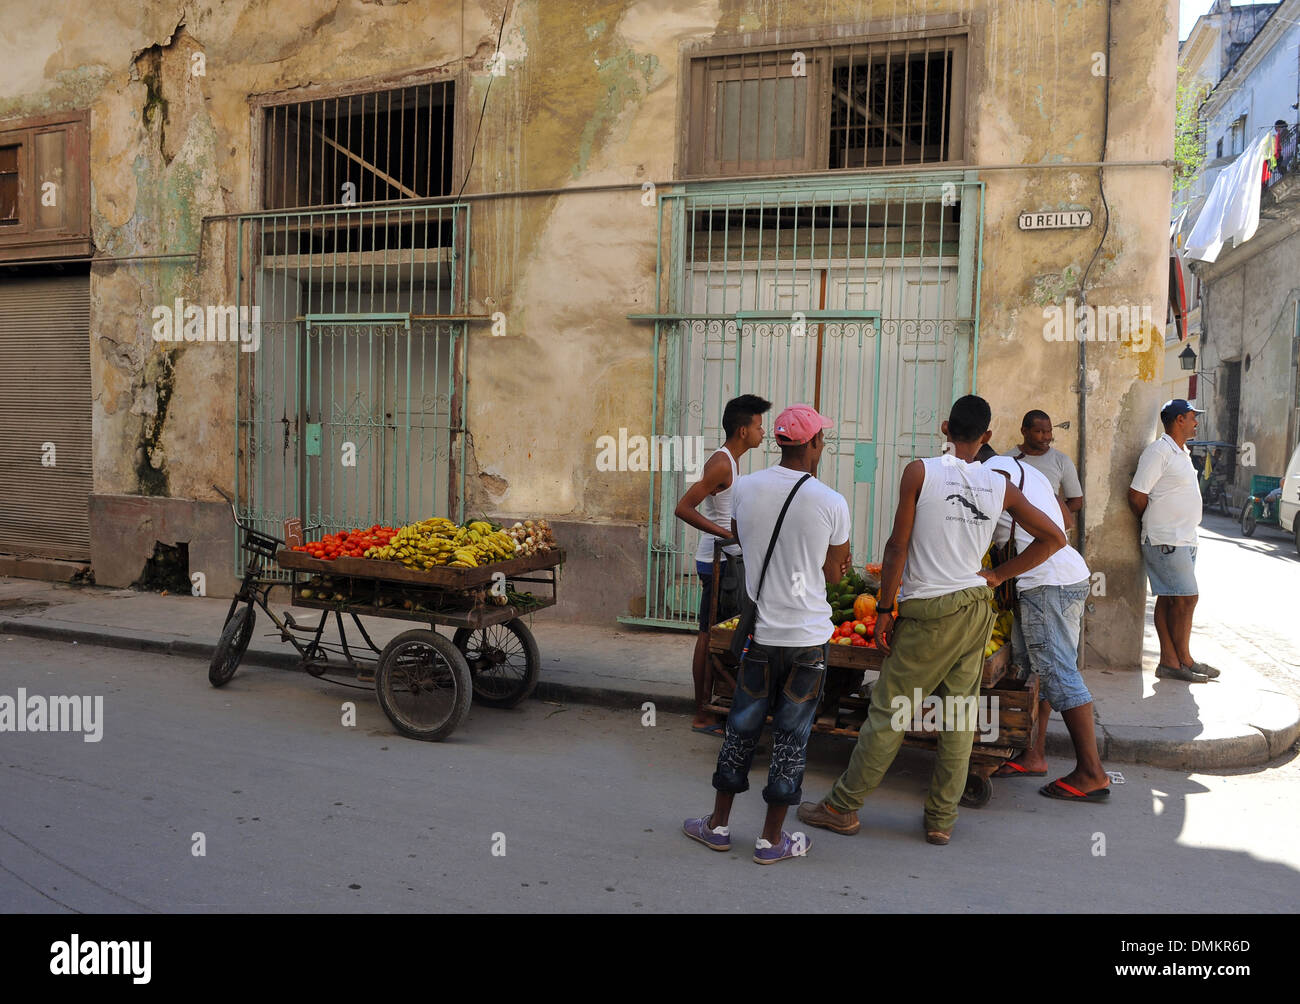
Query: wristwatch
[{"x": 884, "y": 610}]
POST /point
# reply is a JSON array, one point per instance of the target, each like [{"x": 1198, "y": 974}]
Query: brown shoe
[
  {"x": 819, "y": 814},
  {"x": 940, "y": 837},
  {"x": 1180, "y": 673}
]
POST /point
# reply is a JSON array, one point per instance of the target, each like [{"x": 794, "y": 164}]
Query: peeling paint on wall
[{"x": 588, "y": 96}]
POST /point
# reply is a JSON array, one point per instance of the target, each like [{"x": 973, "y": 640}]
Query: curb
[
  {"x": 1120, "y": 744},
  {"x": 158, "y": 646}
]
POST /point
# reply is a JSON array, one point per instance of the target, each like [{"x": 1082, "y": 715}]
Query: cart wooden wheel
[
  {"x": 1248, "y": 519},
  {"x": 232, "y": 645},
  {"x": 504, "y": 663},
  {"x": 423, "y": 685},
  {"x": 979, "y": 789}
]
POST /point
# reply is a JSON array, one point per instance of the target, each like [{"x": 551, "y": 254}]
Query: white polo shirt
[{"x": 1165, "y": 473}]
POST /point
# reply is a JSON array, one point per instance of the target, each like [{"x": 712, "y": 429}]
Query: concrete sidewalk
[{"x": 1241, "y": 720}]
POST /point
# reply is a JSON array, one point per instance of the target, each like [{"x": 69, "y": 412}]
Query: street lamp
[{"x": 1187, "y": 358}]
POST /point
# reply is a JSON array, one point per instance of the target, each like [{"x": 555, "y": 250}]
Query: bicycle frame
[{"x": 254, "y": 589}]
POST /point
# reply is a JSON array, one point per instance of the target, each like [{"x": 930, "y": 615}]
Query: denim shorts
[
  {"x": 788, "y": 682},
  {"x": 1046, "y": 636},
  {"x": 1171, "y": 570}
]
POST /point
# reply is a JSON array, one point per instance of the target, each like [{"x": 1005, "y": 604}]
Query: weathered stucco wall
[
  {"x": 1249, "y": 311},
  {"x": 589, "y": 96},
  {"x": 1043, "y": 102}
]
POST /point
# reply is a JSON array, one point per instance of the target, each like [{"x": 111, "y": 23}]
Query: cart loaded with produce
[
  {"x": 1008, "y": 706},
  {"x": 478, "y": 577}
]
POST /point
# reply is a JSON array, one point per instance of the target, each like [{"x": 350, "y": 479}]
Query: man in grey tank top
[
  {"x": 948, "y": 507},
  {"x": 742, "y": 422}
]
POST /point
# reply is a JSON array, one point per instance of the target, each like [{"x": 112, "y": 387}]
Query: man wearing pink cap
[{"x": 795, "y": 531}]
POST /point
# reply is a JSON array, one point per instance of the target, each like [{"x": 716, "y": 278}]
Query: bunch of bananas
[
  {"x": 1001, "y": 632},
  {"x": 439, "y": 541}
]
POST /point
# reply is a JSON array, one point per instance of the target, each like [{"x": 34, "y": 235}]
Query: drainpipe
[
  {"x": 1083, "y": 291},
  {"x": 1083, "y": 342}
]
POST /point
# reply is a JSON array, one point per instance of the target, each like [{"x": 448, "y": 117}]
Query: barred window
[
  {"x": 817, "y": 108},
  {"x": 385, "y": 146}
]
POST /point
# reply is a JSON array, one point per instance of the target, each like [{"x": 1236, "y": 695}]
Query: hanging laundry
[{"x": 1232, "y": 210}]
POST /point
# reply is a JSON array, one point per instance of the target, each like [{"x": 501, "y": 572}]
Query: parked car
[{"x": 1289, "y": 505}]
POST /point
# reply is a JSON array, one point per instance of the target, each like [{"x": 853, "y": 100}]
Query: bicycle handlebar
[
  {"x": 245, "y": 526},
  {"x": 234, "y": 513}
]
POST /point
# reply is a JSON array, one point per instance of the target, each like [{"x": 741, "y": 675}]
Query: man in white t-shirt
[
  {"x": 784, "y": 670},
  {"x": 1166, "y": 496},
  {"x": 948, "y": 507},
  {"x": 1045, "y": 639}
]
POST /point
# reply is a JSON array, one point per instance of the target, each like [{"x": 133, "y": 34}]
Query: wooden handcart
[
  {"x": 846, "y": 698},
  {"x": 423, "y": 680}
]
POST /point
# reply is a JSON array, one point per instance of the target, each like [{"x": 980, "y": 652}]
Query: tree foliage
[{"x": 1189, "y": 132}]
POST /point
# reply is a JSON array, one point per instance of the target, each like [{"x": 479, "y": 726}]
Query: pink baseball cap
[{"x": 799, "y": 423}]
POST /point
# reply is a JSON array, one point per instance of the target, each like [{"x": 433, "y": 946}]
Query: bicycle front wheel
[{"x": 231, "y": 645}]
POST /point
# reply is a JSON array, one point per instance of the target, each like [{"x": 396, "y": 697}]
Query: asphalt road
[{"x": 298, "y": 812}]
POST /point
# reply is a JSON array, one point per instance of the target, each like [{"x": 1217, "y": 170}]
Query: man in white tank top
[
  {"x": 706, "y": 506},
  {"x": 948, "y": 507}
]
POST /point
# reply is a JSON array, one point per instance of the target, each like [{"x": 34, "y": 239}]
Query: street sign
[{"x": 1056, "y": 221}]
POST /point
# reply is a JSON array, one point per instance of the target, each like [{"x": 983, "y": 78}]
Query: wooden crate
[{"x": 1017, "y": 710}]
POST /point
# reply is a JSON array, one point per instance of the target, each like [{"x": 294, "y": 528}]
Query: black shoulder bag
[{"x": 744, "y": 633}]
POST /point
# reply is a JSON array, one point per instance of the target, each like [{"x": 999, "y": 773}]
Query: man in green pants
[{"x": 948, "y": 507}]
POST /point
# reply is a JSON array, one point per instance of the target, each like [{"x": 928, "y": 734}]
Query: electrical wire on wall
[{"x": 469, "y": 164}]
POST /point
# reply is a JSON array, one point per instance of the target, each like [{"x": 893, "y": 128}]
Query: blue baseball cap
[{"x": 1172, "y": 409}]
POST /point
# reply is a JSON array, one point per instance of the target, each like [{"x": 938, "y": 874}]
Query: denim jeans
[
  {"x": 1046, "y": 638},
  {"x": 788, "y": 682}
]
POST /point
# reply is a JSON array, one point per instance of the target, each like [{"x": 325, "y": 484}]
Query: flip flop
[
  {"x": 710, "y": 730},
  {"x": 1017, "y": 771},
  {"x": 1069, "y": 793}
]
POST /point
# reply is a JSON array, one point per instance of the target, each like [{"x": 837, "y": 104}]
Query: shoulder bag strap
[
  {"x": 771, "y": 545},
  {"x": 1012, "y": 539}
]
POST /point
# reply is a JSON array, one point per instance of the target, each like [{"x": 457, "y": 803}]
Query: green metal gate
[
  {"x": 351, "y": 411},
  {"x": 858, "y": 296}
]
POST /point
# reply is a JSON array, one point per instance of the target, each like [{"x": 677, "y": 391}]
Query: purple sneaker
[
  {"x": 715, "y": 839},
  {"x": 795, "y": 846}
]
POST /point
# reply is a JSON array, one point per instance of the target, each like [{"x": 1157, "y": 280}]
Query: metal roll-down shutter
[{"x": 45, "y": 399}]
